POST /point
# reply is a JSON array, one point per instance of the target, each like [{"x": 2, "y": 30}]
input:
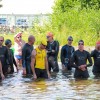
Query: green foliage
[{"x": 79, "y": 18}]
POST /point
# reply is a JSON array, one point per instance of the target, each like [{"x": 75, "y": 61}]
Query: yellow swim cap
[{"x": 44, "y": 42}]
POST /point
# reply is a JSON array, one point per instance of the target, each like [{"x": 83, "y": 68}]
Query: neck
[
  {"x": 39, "y": 47},
  {"x": 7, "y": 47},
  {"x": 81, "y": 50},
  {"x": 69, "y": 44},
  {"x": 29, "y": 43},
  {"x": 51, "y": 40}
]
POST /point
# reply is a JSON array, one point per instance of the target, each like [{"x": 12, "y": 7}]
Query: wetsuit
[
  {"x": 96, "y": 67},
  {"x": 4, "y": 59},
  {"x": 65, "y": 56},
  {"x": 52, "y": 56},
  {"x": 26, "y": 58},
  {"x": 40, "y": 69},
  {"x": 11, "y": 60},
  {"x": 80, "y": 58}
]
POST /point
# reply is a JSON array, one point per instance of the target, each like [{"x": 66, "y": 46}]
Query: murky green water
[{"x": 61, "y": 87}]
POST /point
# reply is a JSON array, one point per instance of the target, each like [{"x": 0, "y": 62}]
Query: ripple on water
[{"x": 60, "y": 87}]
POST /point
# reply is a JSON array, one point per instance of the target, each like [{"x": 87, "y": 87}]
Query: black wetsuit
[
  {"x": 52, "y": 56},
  {"x": 65, "y": 56},
  {"x": 4, "y": 59},
  {"x": 80, "y": 58},
  {"x": 96, "y": 67},
  {"x": 11, "y": 60},
  {"x": 26, "y": 57}
]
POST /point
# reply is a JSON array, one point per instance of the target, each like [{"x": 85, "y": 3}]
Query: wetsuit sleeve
[
  {"x": 73, "y": 49},
  {"x": 62, "y": 55},
  {"x": 23, "y": 56},
  {"x": 92, "y": 53},
  {"x": 89, "y": 59},
  {"x": 56, "y": 50},
  {"x": 7, "y": 56},
  {"x": 73, "y": 58}
]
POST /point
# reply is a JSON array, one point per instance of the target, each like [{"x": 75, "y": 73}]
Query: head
[
  {"x": 8, "y": 43},
  {"x": 18, "y": 36},
  {"x": 1, "y": 40},
  {"x": 98, "y": 45},
  {"x": 49, "y": 37},
  {"x": 43, "y": 44},
  {"x": 70, "y": 40},
  {"x": 81, "y": 45},
  {"x": 31, "y": 39}
]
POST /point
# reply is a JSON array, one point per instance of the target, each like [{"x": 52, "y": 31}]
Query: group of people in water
[{"x": 41, "y": 61}]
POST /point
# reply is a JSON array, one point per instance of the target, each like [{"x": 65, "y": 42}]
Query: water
[{"x": 60, "y": 87}]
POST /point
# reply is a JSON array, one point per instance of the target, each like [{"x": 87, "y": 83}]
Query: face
[
  {"x": 32, "y": 41},
  {"x": 9, "y": 45},
  {"x": 1, "y": 41},
  {"x": 98, "y": 47},
  {"x": 81, "y": 46},
  {"x": 19, "y": 38},
  {"x": 70, "y": 41},
  {"x": 49, "y": 38},
  {"x": 43, "y": 46}
]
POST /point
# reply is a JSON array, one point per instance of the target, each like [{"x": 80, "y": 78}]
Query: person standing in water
[
  {"x": 12, "y": 61},
  {"x": 96, "y": 57},
  {"x": 4, "y": 57},
  {"x": 26, "y": 55},
  {"x": 66, "y": 52},
  {"x": 39, "y": 63},
  {"x": 18, "y": 45},
  {"x": 79, "y": 61},
  {"x": 52, "y": 53}
]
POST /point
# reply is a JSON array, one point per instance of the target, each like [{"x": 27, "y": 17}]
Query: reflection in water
[{"x": 60, "y": 87}]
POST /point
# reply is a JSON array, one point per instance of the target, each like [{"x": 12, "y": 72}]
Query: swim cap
[
  {"x": 70, "y": 38},
  {"x": 44, "y": 42},
  {"x": 98, "y": 42},
  {"x": 7, "y": 41},
  {"x": 50, "y": 34}
]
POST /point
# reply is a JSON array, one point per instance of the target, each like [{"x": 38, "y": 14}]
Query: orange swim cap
[
  {"x": 50, "y": 34},
  {"x": 98, "y": 42}
]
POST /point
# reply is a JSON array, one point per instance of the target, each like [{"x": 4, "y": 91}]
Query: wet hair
[{"x": 7, "y": 41}]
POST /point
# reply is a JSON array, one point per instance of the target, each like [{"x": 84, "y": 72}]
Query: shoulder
[
  {"x": 86, "y": 52},
  {"x": 55, "y": 41},
  {"x": 76, "y": 52},
  {"x": 25, "y": 46},
  {"x": 34, "y": 52},
  {"x": 64, "y": 46},
  {"x": 4, "y": 47}
]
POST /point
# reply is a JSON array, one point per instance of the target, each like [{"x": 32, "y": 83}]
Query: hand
[
  {"x": 34, "y": 76},
  {"x": 49, "y": 51},
  {"x": 49, "y": 76},
  {"x": 82, "y": 67},
  {"x": 24, "y": 71},
  {"x": 64, "y": 68},
  {"x": 9, "y": 69},
  {"x": 2, "y": 76},
  {"x": 53, "y": 50}
]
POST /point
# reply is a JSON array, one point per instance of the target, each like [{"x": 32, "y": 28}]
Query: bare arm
[
  {"x": 33, "y": 63},
  {"x": 1, "y": 72},
  {"x": 46, "y": 66}
]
